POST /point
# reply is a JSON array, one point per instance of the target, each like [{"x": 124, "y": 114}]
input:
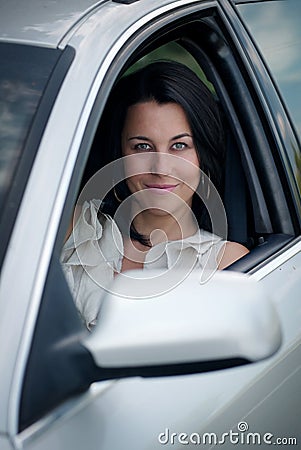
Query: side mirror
[{"x": 194, "y": 327}]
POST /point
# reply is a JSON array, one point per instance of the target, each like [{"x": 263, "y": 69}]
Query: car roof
[
  {"x": 48, "y": 22},
  {"x": 42, "y": 22}
]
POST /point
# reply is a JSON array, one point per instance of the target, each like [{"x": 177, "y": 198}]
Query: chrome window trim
[{"x": 276, "y": 261}]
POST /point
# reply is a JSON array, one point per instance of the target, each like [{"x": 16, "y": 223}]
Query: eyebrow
[
  {"x": 140, "y": 138},
  {"x": 179, "y": 136},
  {"x": 145, "y": 138}
]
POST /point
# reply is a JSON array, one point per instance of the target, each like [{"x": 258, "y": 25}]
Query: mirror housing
[{"x": 191, "y": 328}]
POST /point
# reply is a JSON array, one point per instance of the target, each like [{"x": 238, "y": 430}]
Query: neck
[{"x": 165, "y": 227}]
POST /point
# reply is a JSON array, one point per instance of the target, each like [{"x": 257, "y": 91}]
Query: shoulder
[
  {"x": 86, "y": 218},
  {"x": 232, "y": 252}
]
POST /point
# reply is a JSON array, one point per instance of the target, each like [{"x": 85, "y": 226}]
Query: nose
[{"x": 161, "y": 163}]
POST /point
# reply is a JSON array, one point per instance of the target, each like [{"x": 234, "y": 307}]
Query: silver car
[{"x": 188, "y": 370}]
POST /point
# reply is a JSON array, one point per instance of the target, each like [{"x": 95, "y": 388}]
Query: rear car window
[
  {"x": 24, "y": 73},
  {"x": 275, "y": 26}
]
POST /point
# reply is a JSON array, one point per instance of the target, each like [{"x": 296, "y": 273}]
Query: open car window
[
  {"x": 259, "y": 211},
  {"x": 249, "y": 150}
]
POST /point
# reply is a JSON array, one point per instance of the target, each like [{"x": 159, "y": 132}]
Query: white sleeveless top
[{"x": 93, "y": 253}]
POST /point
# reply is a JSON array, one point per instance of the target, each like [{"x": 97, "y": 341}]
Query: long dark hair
[{"x": 167, "y": 82}]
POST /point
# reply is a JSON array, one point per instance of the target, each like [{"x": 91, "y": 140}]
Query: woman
[{"x": 165, "y": 125}]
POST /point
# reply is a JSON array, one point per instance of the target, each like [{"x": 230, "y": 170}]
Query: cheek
[
  {"x": 136, "y": 164},
  {"x": 190, "y": 174},
  {"x": 134, "y": 183},
  {"x": 195, "y": 178},
  {"x": 194, "y": 172}
]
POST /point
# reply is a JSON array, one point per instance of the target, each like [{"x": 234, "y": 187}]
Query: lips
[{"x": 161, "y": 188}]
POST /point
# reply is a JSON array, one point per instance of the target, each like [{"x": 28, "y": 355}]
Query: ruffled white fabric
[{"x": 94, "y": 252}]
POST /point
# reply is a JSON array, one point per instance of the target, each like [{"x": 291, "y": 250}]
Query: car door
[{"x": 50, "y": 404}]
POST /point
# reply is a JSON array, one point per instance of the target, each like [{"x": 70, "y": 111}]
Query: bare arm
[{"x": 232, "y": 252}]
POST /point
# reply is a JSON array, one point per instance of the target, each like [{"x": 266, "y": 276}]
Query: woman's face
[{"x": 166, "y": 161}]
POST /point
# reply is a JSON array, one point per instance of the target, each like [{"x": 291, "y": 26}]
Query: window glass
[
  {"x": 24, "y": 73},
  {"x": 275, "y": 25}
]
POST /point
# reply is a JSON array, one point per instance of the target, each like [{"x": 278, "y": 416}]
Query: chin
[{"x": 159, "y": 212}]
